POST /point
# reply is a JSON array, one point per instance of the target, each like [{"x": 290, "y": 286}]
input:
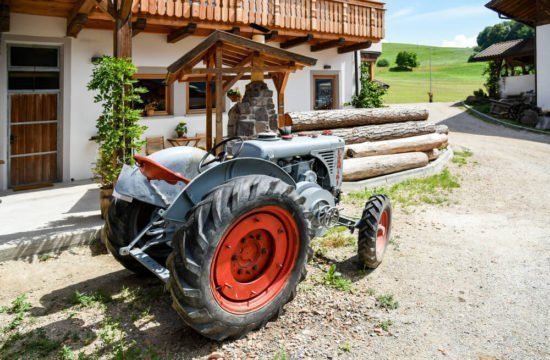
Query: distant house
[
  {"x": 47, "y": 50},
  {"x": 535, "y": 13},
  {"x": 515, "y": 60}
]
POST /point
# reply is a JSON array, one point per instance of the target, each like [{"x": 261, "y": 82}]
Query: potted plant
[
  {"x": 150, "y": 109},
  {"x": 234, "y": 94},
  {"x": 181, "y": 129},
  {"x": 118, "y": 128}
]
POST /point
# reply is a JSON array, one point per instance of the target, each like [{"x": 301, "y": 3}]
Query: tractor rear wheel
[
  {"x": 240, "y": 256},
  {"x": 374, "y": 231},
  {"x": 124, "y": 222}
]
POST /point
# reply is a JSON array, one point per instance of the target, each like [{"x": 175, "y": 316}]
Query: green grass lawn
[{"x": 453, "y": 78}]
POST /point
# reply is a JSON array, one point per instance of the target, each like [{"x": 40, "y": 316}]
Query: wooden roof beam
[
  {"x": 181, "y": 33},
  {"x": 354, "y": 47},
  {"x": 138, "y": 26},
  {"x": 4, "y": 18},
  {"x": 79, "y": 16},
  {"x": 235, "y": 30},
  {"x": 124, "y": 10},
  {"x": 272, "y": 35},
  {"x": 108, "y": 8},
  {"x": 328, "y": 44},
  {"x": 296, "y": 41}
]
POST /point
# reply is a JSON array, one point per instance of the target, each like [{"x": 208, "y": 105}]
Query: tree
[
  {"x": 406, "y": 60},
  {"x": 371, "y": 92},
  {"x": 505, "y": 31},
  {"x": 383, "y": 63}
]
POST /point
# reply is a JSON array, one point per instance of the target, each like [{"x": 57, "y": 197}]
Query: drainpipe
[{"x": 357, "y": 71}]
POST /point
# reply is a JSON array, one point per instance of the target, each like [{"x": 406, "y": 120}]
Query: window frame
[
  {"x": 167, "y": 95},
  {"x": 334, "y": 78},
  {"x": 199, "y": 111}
]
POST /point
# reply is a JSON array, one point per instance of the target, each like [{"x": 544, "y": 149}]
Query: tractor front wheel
[
  {"x": 374, "y": 231},
  {"x": 240, "y": 256}
]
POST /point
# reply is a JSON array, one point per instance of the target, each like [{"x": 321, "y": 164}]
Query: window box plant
[
  {"x": 234, "y": 94},
  {"x": 181, "y": 129},
  {"x": 150, "y": 109},
  {"x": 118, "y": 129}
]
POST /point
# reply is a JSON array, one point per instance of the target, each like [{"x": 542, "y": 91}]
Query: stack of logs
[{"x": 378, "y": 141}]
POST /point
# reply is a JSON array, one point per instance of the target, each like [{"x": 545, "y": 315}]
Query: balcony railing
[{"x": 358, "y": 18}]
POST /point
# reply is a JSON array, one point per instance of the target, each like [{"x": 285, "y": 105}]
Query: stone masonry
[{"x": 255, "y": 113}]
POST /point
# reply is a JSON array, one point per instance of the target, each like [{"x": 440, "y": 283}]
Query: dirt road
[{"x": 472, "y": 277}]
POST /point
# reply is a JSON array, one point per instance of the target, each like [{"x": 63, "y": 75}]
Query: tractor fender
[
  {"x": 217, "y": 175},
  {"x": 131, "y": 183}
]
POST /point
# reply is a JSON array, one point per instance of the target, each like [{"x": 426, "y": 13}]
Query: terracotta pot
[
  {"x": 180, "y": 135},
  {"x": 150, "y": 112},
  {"x": 235, "y": 98},
  {"x": 105, "y": 198}
]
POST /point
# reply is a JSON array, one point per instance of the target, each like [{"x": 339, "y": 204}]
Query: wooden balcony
[
  {"x": 357, "y": 20},
  {"x": 346, "y": 24}
]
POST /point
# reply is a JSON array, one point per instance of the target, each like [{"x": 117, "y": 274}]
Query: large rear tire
[
  {"x": 240, "y": 256},
  {"x": 374, "y": 231},
  {"x": 124, "y": 222}
]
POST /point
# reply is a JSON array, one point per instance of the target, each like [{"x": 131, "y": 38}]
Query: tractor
[{"x": 228, "y": 230}]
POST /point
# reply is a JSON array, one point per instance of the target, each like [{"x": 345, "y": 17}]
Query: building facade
[{"x": 48, "y": 115}]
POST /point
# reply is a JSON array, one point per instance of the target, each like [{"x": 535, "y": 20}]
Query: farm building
[
  {"x": 535, "y": 13},
  {"x": 48, "y": 48}
]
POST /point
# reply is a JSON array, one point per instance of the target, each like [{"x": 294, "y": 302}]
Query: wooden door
[{"x": 33, "y": 139}]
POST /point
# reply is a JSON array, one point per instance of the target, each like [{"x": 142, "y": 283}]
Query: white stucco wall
[
  {"x": 543, "y": 67},
  {"x": 151, "y": 51},
  {"x": 515, "y": 85}
]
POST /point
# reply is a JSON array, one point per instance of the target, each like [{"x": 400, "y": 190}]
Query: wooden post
[
  {"x": 371, "y": 70},
  {"x": 280, "y": 80},
  {"x": 122, "y": 37},
  {"x": 219, "y": 96},
  {"x": 210, "y": 65}
]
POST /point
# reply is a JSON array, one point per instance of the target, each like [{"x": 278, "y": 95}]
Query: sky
[{"x": 453, "y": 23}]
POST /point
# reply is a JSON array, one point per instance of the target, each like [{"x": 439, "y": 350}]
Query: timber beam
[
  {"x": 138, "y": 26},
  {"x": 108, "y": 8},
  {"x": 77, "y": 24},
  {"x": 181, "y": 33},
  {"x": 354, "y": 47},
  {"x": 296, "y": 41},
  {"x": 237, "y": 70},
  {"x": 328, "y": 44},
  {"x": 272, "y": 35},
  {"x": 79, "y": 16},
  {"x": 235, "y": 30},
  {"x": 4, "y": 18}
]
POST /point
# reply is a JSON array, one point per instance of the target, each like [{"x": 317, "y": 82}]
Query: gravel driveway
[{"x": 472, "y": 277}]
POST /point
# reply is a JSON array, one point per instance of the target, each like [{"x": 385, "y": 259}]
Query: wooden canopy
[
  {"x": 530, "y": 12},
  {"x": 229, "y": 58}
]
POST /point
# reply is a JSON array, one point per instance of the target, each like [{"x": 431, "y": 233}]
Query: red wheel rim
[
  {"x": 254, "y": 259},
  {"x": 382, "y": 233}
]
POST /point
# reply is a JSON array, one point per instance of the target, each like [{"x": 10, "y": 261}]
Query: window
[
  {"x": 196, "y": 96},
  {"x": 156, "y": 101},
  {"x": 33, "y": 68},
  {"x": 324, "y": 92}
]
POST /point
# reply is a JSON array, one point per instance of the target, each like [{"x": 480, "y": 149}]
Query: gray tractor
[{"x": 229, "y": 230}]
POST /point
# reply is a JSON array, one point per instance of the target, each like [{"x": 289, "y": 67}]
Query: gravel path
[{"x": 472, "y": 277}]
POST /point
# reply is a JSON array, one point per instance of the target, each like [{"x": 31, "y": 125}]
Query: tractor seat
[{"x": 152, "y": 170}]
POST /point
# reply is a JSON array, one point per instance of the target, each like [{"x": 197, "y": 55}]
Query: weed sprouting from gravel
[
  {"x": 387, "y": 301},
  {"x": 394, "y": 241},
  {"x": 345, "y": 346},
  {"x": 461, "y": 157},
  {"x": 337, "y": 237},
  {"x": 89, "y": 299},
  {"x": 20, "y": 308},
  {"x": 432, "y": 190},
  {"x": 371, "y": 291},
  {"x": 385, "y": 325},
  {"x": 334, "y": 279},
  {"x": 281, "y": 355}
]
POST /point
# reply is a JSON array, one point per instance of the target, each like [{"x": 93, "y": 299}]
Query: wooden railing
[{"x": 345, "y": 17}]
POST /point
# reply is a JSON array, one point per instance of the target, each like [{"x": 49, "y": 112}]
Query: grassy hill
[{"x": 453, "y": 78}]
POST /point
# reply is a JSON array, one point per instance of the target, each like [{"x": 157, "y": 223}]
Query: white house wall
[
  {"x": 149, "y": 51},
  {"x": 543, "y": 67},
  {"x": 516, "y": 85}
]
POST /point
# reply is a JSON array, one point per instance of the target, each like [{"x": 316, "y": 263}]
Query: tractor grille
[{"x": 329, "y": 157}]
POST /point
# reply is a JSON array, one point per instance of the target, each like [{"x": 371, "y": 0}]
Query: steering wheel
[{"x": 222, "y": 156}]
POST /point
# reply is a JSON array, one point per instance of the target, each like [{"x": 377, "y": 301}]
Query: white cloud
[
  {"x": 400, "y": 14},
  {"x": 461, "y": 41}
]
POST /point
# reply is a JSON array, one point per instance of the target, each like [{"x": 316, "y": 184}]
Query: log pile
[{"x": 378, "y": 141}]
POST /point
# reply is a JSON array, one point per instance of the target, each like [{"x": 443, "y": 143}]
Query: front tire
[
  {"x": 374, "y": 231},
  {"x": 240, "y": 256},
  {"x": 124, "y": 222}
]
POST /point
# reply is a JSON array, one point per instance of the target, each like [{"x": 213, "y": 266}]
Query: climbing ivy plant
[
  {"x": 118, "y": 129},
  {"x": 371, "y": 92}
]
